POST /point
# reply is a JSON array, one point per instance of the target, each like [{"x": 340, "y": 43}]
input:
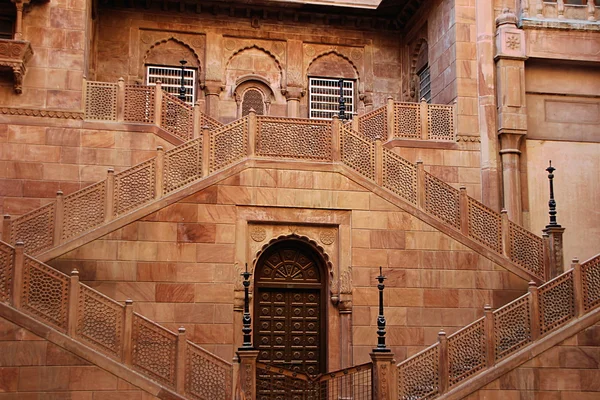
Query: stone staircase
[
  {"x": 220, "y": 151},
  {"x": 107, "y": 333}
]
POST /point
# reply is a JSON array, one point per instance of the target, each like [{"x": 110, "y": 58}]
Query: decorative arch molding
[
  {"x": 178, "y": 41},
  {"x": 257, "y": 47},
  {"x": 417, "y": 48},
  {"x": 337, "y": 53},
  {"x": 306, "y": 240}
]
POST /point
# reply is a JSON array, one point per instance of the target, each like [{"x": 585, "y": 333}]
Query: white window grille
[
  {"x": 425, "y": 84},
  {"x": 324, "y": 99},
  {"x": 170, "y": 78}
]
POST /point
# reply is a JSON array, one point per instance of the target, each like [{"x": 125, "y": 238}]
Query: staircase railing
[
  {"x": 111, "y": 328},
  {"x": 139, "y": 104},
  {"x": 262, "y": 136},
  {"x": 500, "y": 333},
  {"x": 420, "y": 121}
]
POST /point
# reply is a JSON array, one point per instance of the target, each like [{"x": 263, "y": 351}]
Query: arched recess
[
  {"x": 169, "y": 51},
  {"x": 290, "y": 306},
  {"x": 256, "y": 62},
  {"x": 332, "y": 64},
  {"x": 253, "y": 92}
]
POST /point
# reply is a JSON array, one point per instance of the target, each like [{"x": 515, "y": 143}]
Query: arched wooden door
[{"x": 289, "y": 309}]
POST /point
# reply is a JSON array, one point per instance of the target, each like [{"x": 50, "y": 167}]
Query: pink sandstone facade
[{"x": 130, "y": 214}]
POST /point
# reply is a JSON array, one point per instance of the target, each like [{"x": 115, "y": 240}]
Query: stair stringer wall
[{"x": 177, "y": 263}]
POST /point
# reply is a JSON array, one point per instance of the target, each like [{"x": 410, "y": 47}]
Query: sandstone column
[
  {"x": 292, "y": 96},
  {"x": 214, "y": 73},
  {"x": 512, "y": 113},
  {"x": 293, "y": 88}
]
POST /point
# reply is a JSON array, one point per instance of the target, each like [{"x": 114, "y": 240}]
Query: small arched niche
[{"x": 252, "y": 92}]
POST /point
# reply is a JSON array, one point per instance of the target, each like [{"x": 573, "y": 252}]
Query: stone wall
[
  {"x": 178, "y": 264},
  {"x": 567, "y": 371},
  {"x": 34, "y": 368}
]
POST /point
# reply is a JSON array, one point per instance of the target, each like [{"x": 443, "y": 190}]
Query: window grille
[
  {"x": 170, "y": 78},
  {"x": 425, "y": 84},
  {"x": 253, "y": 99},
  {"x": 324, "y": 99}
]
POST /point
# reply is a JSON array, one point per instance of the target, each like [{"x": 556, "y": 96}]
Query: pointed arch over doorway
[{"x": 290, "y": 307}]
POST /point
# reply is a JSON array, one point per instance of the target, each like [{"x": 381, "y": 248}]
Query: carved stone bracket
[
  {"x": 293, "y": 93},
  {"x": 14, "y": 56}
]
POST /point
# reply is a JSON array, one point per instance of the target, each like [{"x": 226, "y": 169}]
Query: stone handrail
[
  {"x": 559, "y": 10},
  {"x": 111, "y": 328},
  {"x": 500, "y": 333},
  {"x": 418, "y": 121},
  {"x": 118, "y": 102},
  {"x": 270, "y": 137}
]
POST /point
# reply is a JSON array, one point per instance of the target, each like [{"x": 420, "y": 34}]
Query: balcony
[
  {"x": 14, "y": 55},
  {"x": 561, "y": 14}
]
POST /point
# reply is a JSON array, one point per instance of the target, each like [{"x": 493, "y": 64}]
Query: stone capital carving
[
  {"x": 510, "y": 142},
  {"x": 510, "y": 40},
  {"x": 213, "y": 88},
  {"x": 293, "y": 93}
]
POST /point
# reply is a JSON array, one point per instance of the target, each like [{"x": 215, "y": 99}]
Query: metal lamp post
[
  {"x": 381, "y": 347},
  {"x": 342, "y": 102},
  {"x": 552, "y": 202},
  {"x": 182, "y": 87},
  {"x": 246, "y": 319}
]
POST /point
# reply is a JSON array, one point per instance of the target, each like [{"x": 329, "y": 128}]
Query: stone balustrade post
[
  {"x": 379, "y": 161},
  {"x": 489, "y": 336},
  {"x": 443, "y": 361},
  {"x": 205, "y": 150},
  {"x": 247, "y": 373},
  {"x": 73, "y": 306},
  {"x": 120, "y": 99},
  {"x": 591, "y": 10},
  {"x": 127, "y": 355},
  {"x": 197, "y": 120},
  {"x": 560, "y": 7},
  {"x": 534, "y": 310},
  {"x": 356, "y": 126},
  {"x": 252, "y": 132},
  {"x": 158, "y": 95},
  {"x": 463, "y": 208},
  {"x": 390, "y": 109},
  {"x": 17, "y": 279},
  {"x": 555, "y": 251},
  {"x": 423, "y": 110},
  {"x": 335, "y": 138},
  {"x": 420, "y": 185},
  {"x": 505, "y": 233},
  {"x": 578, "y": 290},
  {"x": 6, "y": 228},
  {"x": 383, "y": 376},
  {"x": 59, "y": 214},
  {"x": 109, "y": 201},
  {"x": 181, "y": 361},
  {"x": 159, "y": 172},
  {"x": 546, "y": 255}
]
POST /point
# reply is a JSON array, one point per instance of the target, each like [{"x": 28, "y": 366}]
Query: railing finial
[
  {"x": 381, "y": 347},
  {"x": 246, "y": 319},
  {"x": 552, "y": 202}
]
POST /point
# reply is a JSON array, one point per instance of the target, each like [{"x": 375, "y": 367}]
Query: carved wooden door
[{"x": 288, "y": 313}]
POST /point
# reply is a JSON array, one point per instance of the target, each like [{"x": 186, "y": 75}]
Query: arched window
[{"x": 253, "y": 99}]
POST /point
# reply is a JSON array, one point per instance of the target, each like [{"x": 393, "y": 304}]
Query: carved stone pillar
[
  {"x": 383, "y": 375},
  {"x": 19, "y": 20},
  {"x": 247, "y": 373},
  {"x": 212, "y": 90},
  {"x": 512, "y": 111},
  {"x": 556, "y": 263},
  {"x": 292, "y": 95},
  {"x": 345, "y": 309},
  {"x": 511, "y": 174}
]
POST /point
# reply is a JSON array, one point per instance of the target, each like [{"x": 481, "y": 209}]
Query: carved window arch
[{"x": 253, "y": 99}]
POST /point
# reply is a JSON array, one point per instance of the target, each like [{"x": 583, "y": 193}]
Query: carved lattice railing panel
[
  {"x": 100, "y": 321},
  {"x": 358, "y": 153},
  {"x": 101, "y": 101},
  {"x": 139, "y": 104},
  {"x": 228, "y": 144},
  {"x": 45, "y": 293},
  {"x": 418, "y": 376},
  {"x": 177, "y": 117},
  {"x": 485, "y": 225},
  {"x": 84, "y": 210},
  {"x": 466, "y": 352},
  {"x": 556, "y": 302},
  {"x": 590, "y": 273},
  {"x": 407, "y": 120},
  {"x": 207, "y": 376},
  {"x": 7, "y": 255},
  {"x": 512, "y": 327},
  {"x": 373, "y": 125},
  {"x": 209, "y": 122},
  {"x": 183, "y": 165},
  {"x": 294, "y": 138},
  {"x": 134, "y": 186},
  {"x": 399, "y": 176},
  {"x": 526, "y": 250},
  {"x": 440, "y": 122},
  {"x": 442, "y": 200},
  {"x": 154, "y": 350},
  {"x": 35, "y": 229}
]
